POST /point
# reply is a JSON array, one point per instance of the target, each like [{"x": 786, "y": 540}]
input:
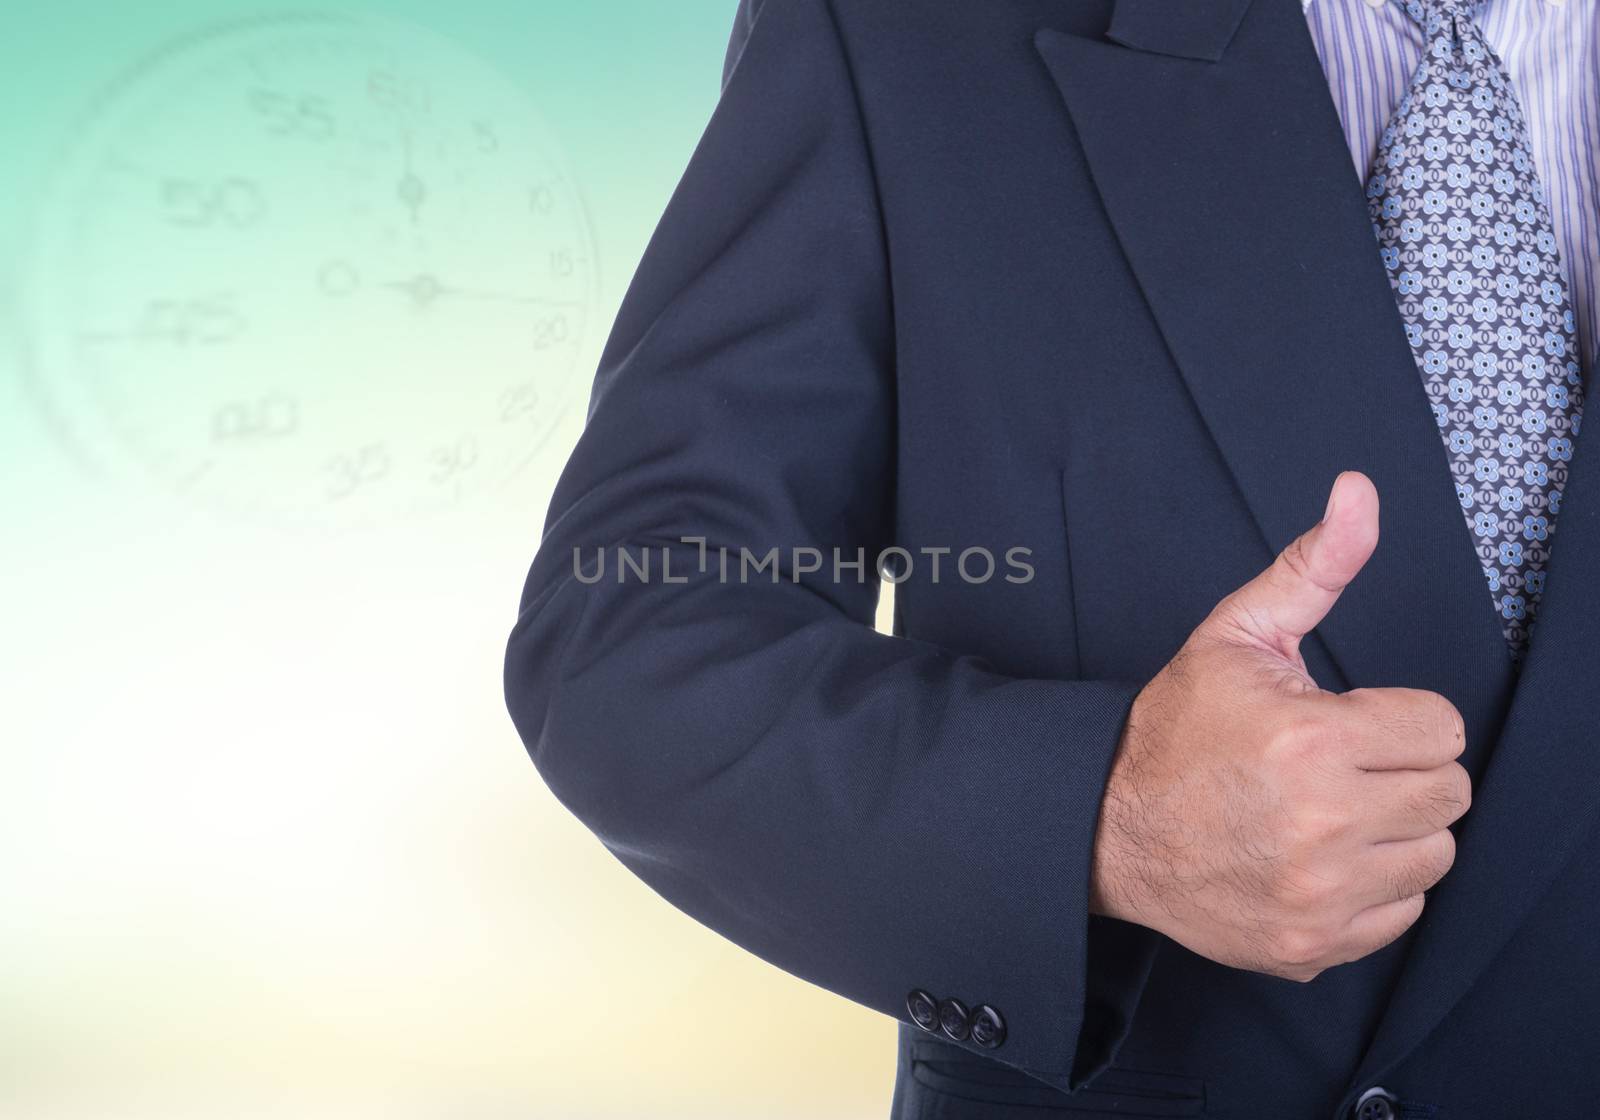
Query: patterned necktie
[{"x": 1465, "y": 232}]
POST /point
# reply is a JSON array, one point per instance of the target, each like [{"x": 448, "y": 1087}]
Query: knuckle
[
  {"x": 1299, "y": 737},
  {"x": 1445, "y": 858},
  {"x": 1411, "y": 913},
  {"x": 1454, "y": 794},
  {"x": 1300, "y": 948},
  {"x": 1413, "y": 878},
  {"x": 1299, "y": 975},
  {"x": 1407, "y": 911},
  {"x": 1440, "y": 803},
  {"x": 1463, "y": 786},
  {"x": 1303, "y": 891},
  {"x": 1294, "y": 562},
  {"x": 1318, "y": 825},
  {"x": 1452, "y": 728}
]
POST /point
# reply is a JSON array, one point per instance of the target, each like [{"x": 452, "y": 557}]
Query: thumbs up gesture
[{"x": 1260, "y": 821}]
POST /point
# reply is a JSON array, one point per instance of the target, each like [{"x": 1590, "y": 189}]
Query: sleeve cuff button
[
  {"x": 953, "y": 1020},
  {"x": 923, "y": 1009},
  {"x": 988, "y": 1028}
]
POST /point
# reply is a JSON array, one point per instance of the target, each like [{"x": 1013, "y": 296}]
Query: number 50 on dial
[{"x": 313, "y": 270}]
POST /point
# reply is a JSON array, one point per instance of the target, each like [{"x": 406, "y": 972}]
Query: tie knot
[{"x": 1444, "y": 17}]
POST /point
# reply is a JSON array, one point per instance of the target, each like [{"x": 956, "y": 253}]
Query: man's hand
[{"x": 1260, "y": 821}]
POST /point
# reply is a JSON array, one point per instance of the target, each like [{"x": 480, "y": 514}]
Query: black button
[
  {"x": 953, "y": 1019},
  {"x": 923, "y": 1010},
  {"x": 1376, "y": 1104},
  {"x": 988, "y": 1029}
]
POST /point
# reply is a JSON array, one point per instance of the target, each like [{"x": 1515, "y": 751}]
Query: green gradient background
[{"x": 268, "y": 843}]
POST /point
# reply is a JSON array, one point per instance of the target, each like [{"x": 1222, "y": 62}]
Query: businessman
[{"x": 1215, "y": 801}]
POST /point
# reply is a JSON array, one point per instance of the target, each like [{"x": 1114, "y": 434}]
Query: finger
[
  {"x": 1401, "y": 728},
  {"x": 1410, "y": 804},
  {"x": 1287, "y": 601},
  {"x": 1401, "y": 869},
  {"x": 1379, "y": 925}
]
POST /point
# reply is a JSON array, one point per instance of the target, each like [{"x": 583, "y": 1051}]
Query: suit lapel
[
  {"x": 1215, "y": 147},
  {"x": 1535, "y": 806},
  {"x": 1221, "y": 163}
]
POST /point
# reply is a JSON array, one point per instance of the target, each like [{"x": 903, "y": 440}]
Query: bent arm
[{"x": 873, "y": 814}]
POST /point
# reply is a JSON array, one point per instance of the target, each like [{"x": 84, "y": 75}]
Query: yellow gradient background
[{"x": 298, "y": 311}]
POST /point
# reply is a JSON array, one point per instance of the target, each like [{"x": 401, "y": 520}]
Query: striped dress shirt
[{"x": 1370, "y": 49}]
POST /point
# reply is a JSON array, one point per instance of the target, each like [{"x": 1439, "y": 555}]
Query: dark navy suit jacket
[{"x": 1095, "y": 278}]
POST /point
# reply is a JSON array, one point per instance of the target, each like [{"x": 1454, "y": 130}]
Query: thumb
[{"x": 1286, "y": 602}]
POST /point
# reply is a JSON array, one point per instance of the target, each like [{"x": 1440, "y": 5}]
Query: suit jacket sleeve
[{"x": 874, "y": 814}]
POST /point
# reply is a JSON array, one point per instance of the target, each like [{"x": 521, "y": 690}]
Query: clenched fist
[{"x": 1260, "y": 821}]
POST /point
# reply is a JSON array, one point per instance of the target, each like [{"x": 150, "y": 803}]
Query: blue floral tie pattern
[{"x": 1465, "y": 233}]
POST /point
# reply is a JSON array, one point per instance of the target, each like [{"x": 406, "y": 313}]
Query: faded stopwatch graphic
[{"x": 315, "y": 270}]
